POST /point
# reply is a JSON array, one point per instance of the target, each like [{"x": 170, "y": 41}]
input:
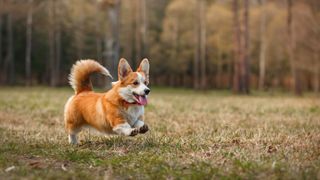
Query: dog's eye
[
  {"x": 145, "y": 82},
  {"x": 136, "y": 83}
]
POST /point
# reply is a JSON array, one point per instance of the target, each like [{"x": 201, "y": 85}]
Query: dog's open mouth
[{"x": 140, "y": 99}]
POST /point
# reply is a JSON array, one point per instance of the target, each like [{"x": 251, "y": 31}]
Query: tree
[
  {"x": 9, "y": 65},
  {"x": 241, "y": 49},
  {"x": 291, "y": 47},
  {"x": 138, "y": 34},
  {"x": 314, "y": 26},
  {"x": 144, "y": 28},
  {"x": 58, "y": 14},
  {"x": 113, "y": 41},
  {"x": 200, "y": 47},
  {"x": 29, "y": 43},
  {"x": 201, "y": 42},
  {"x": 263, "y": 45},
  {"x": 237, "y": 47},
  {"x": 246, "y": 54},
  {"x": 98, "y": 35},
  {"x": 51, "y": 39},
  {"x": 0, "y": 41}
]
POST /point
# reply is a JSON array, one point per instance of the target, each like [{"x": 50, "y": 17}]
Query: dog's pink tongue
[{"x": 143, "y": 100}]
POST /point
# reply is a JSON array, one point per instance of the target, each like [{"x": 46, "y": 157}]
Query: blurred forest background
[{"x": 202, "y": 44}]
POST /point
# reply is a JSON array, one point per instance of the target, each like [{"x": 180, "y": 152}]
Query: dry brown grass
[{"x": 193, "y": 136}]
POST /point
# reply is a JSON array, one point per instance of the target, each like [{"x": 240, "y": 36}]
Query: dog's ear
[
  {"x": 144, "y": 67},
  {"x": 124, "y": 69}
]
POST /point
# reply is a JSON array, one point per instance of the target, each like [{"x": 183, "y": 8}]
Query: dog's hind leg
[
  {"x": 72, "y": 139},
  {"x": 72, "y": 135},
  {"x": 72, "y": 130}
]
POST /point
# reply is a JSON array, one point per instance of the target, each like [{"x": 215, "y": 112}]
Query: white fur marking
[
  {"x": 123, "y": 129},
  {"x": 140, "y": 89},
  {"x": 138, "y": 124},
  {"x": 72, "y": 139},
  {"x": 133, "y": 113},
  {"x": 126, "y": 94}
]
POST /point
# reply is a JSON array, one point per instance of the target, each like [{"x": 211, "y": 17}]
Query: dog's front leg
[
  {"x": 125, "y": 129},
  {"x": 143, "y": 128}
]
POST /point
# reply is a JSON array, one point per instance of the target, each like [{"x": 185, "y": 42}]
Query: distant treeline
[{"x": 201, "y": 44}]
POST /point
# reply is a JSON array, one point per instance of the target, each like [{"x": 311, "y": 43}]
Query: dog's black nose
[{"x": 147, "y": 91}]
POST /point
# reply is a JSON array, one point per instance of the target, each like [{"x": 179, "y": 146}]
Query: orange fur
[
  {"x": 99, "y": 110},
  {"x": 80, "y": 74}
]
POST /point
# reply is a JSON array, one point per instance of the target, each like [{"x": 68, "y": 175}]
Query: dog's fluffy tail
[{"x": 79, "y": 77}]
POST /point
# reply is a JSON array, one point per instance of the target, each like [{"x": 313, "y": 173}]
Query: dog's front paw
[
  {"x": 134, "y": 132},
  {"x": 143, "y": 129}
]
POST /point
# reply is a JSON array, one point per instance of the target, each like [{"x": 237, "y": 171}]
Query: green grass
[{"x": 209, "y": 135}]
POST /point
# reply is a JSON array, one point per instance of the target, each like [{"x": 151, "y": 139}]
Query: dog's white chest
[{"x": 133, "y": 113}]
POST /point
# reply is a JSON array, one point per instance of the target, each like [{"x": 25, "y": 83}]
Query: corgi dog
[{"x": 117, "y": 111}]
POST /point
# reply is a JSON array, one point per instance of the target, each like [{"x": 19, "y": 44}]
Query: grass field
[{"x": 213, "y": 135}]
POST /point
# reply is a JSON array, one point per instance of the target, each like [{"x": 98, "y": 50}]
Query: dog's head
[{"x": 133, "y": 85}]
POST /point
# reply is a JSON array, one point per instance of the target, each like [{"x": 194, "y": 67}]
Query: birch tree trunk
[{"x": 29, "y": 43}]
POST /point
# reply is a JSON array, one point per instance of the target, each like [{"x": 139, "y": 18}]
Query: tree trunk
[
  {"x": 138, "y": 31},
  {"x": 9, "y": 67},
  {"x": 263, "y": 45},
  {"x": 114, "y": 17},
  {"x": 98, "y": 48},
  {"x": 58, "y": 40},
  {"x": 202, "y": 43},
  {"x": 51, "y": 39},
  {"x": 241, "y": 81},
  {"x": 79, "y": 34},
  {"x": 1, "y": 65},
  {"x": 133, "y": 33},
  {"x": 246, "y": 49},
  {"x": 316, "y": 73},
  {"x": 291, "y": 46},
  {"x": 197, "y": 54},
  {"x": 237, "y": 47},
  {"x": 99, "y": 56},
  {"x": 29, "y": 43},
  {"x": 219, "y": 64},
  {"x": 144, "y": 26}
]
